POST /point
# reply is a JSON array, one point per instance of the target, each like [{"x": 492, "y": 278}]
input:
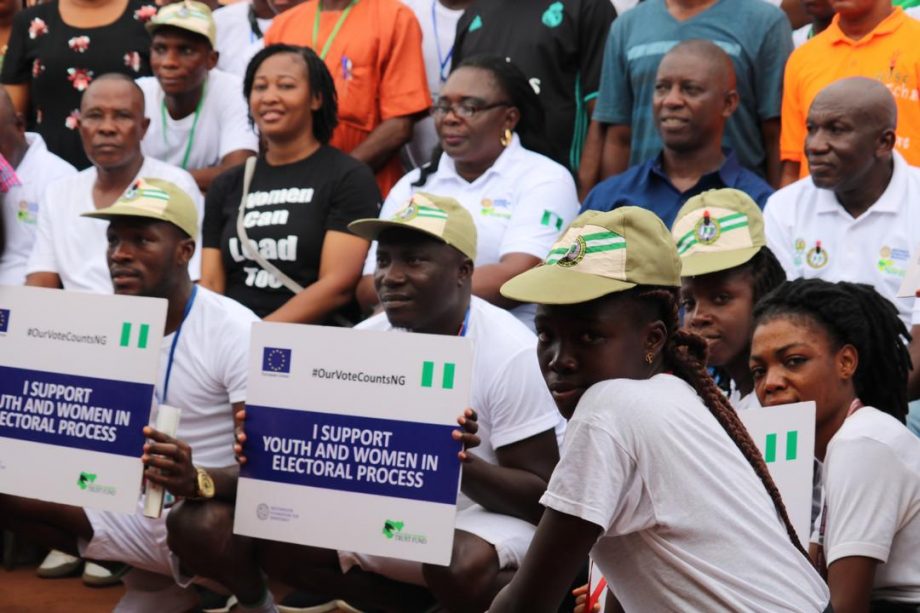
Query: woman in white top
[
  {"x": 490, "y": 125},
  {"x": 657, "y": 478},
  {"x": 843, "y": 346},
  {"x": 726, "y": 269}
]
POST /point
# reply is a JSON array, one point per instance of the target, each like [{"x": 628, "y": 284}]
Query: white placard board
[
  {"x": 349, "y": 439},
  {"x": 911, "y": 282},
  {"x": 785, "y": 434},
  {"x": 597, "y": 589},
  {"x": 77, "y": 376}
]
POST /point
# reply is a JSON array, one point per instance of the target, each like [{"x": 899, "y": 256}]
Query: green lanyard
[
  {"x": 191, "y": 134},
  {"x": 335, "y": 28}
]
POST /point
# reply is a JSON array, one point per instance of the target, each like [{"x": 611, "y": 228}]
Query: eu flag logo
[
  {"x": 4, "y": 319},
  {"x": 276, "y": 360}
]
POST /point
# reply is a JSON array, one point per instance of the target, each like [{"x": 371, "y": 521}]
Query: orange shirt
[
  {"x": 376, "y": 63},
  {"x": 890, "y": 53}
]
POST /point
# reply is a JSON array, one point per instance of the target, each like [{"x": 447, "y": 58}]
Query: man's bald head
[
  {"x": 112, "y": 79},
  {"x": 866, "y": 100},
  {"x": 851, "y": 135},
  {"x": 708, "y": 54}
]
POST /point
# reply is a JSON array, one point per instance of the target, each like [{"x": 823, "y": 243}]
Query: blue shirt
[
  {"x": 755, "y": 34},
  {"x": 647, "y": 185}
]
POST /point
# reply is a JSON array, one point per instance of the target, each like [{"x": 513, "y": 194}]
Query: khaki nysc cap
[
  {"x": 599, "y": 254},
  {"x": 438, "y": 216},
  {"x": 189, "y": 15},
  {"x": 154, "y": 199},
  {"x": 717, "y": 230}
]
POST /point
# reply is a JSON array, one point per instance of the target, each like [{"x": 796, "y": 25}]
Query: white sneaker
[
  {"x": 99, "y": 576},
  {"x": 58, "y": 564}
]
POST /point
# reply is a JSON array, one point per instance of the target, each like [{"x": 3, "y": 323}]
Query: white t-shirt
[
  {"x": 872, "y": 492},
  {"x": 509, "y": 395},
  {"x": 38, "y": 168},
  {"x": 742, "y": 403},
  {"x": 74, "y": 247},
  {"x": 223, "y": 124},
  {"x": 875, "y": 248},
  {"x": 439, "y": 28},
  {"x": 687, "y": 523},
  {"x": 801, "y": 35},
  {"x": 208, "y": 375},
  {"x": 236, "y": 42},
  {"x": 519, "y": 205}
]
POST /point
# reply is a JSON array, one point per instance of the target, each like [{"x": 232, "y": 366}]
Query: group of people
[{"x": 646, "y": 223}]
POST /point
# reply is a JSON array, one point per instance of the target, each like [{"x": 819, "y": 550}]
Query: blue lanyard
[
  {"x": 464, "y": 328},
  {"x": 175, "y": 341},
  {"x": 443, "y": 62}
]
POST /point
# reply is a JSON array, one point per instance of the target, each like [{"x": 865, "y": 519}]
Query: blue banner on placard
[
  {"x": 353, "y": 454},
  {"x": 74, "y": 411}
]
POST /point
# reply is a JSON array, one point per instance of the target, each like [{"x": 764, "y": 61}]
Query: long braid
[
  {"x": 685, "y": 354},
  {"x": 854, "y": 314}
]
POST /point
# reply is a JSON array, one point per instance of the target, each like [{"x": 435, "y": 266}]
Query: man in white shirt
[
  {"x": 424, "y": 277},
  {"x": 240, "y": 29},
  {"x": 35, "y": 167},
  {"x": 855, "y": 218},
  {"x": 199, "y": 119},
  {"x": 203, "y": 365},
  {"x": 69, "y": 251}
]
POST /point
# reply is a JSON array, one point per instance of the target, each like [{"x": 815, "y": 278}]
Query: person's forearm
[
  {"x": 44, "y": 279},
  {"x": 314, "y": 303},
  {"x": 789, "y": 172},
  {"x": 384, "y": 141},
  {"x": 488, "y": 280},
  {"x": 589, "y": 169},
  {"x": 367, "y": 293},
  {"x": 204, "y": 176},
  {"x": 770, "y": 131},
  {"x": 617, "y": 145},
  {"x": 508, "y": 491}
]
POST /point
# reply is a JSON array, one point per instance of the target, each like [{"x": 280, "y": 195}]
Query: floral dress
[{"x": 59, "y": 62}]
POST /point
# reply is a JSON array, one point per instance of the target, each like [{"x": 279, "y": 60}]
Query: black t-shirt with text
[{"x": 289, "y": 209}]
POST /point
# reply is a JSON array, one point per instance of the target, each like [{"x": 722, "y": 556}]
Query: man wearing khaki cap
[
  {"x": 199, "y": 119},
  {"x": 203, "y": 367},
  {"x": 424, "y": 275}
]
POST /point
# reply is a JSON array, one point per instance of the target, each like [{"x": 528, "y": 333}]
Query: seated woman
[
  {"x": 843, "y": 346},
  {"x": 301, "y": 198},
  {"x": 726, "y": 269},
  {"x": 490, "y": 125},
  {"x": 657, "y": 478}
]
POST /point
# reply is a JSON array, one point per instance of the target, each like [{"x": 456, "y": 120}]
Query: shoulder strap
[{"x": 248, "y": 251}]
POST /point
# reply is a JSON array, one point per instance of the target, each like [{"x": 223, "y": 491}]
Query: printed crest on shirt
[
  {"x": 893, "y": 261},
  {"x": 27, "y": 212},
  {"x": 817, "y": 257},
  {"x": 499, "y": 207}
]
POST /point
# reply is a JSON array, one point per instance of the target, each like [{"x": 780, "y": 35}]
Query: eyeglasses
[{"x": 465, "y": 109}]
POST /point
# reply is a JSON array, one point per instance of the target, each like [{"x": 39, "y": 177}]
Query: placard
[
  {"x": 785, "y": 435},
  {"x": 349, "y": 439},
  {"x": 911, "y": 282},
  {"x": 597, "y": 589},
  {"x": 77, "y": 374}
]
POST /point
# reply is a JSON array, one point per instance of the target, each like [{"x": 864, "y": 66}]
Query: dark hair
[
  {"x": 326, "y": 118},
  {"x": 514, "y": 84},
  {"x": 766, "y": 272},
  {"x": 684, "y": 354},
  {"x": 853, "y": 314}
]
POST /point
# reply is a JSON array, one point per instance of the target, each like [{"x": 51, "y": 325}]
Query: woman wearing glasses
[{"x": 490, "y": 124}]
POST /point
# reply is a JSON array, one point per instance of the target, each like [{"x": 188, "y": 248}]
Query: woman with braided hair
[
  {"x": 726, "y": 268},
  {"x": 658, "y": 478},
  {"x": 843, "y": 346}
]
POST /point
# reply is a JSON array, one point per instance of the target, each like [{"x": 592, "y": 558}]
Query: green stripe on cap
[
  {"x": 727, "y": 223},
  {"x": 157, "y": 194}
]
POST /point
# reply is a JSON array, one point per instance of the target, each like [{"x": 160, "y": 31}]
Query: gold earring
[
  {"x": 505, "y": 138},
  {"x": 649, "y": 357}
]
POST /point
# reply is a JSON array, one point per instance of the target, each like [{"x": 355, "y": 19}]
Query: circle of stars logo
[{"x": 277, "y": 360}]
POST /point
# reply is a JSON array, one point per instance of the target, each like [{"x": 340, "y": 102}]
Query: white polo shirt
[
  {"x": 74, "y": 247},
  {"x": 519, "y": 205},
  {"x": 37, "y": 169},
  {"x": 875, "y": 248},
  {"x": 222, "y": 126},
  {"x": 236, "y": 42}
]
